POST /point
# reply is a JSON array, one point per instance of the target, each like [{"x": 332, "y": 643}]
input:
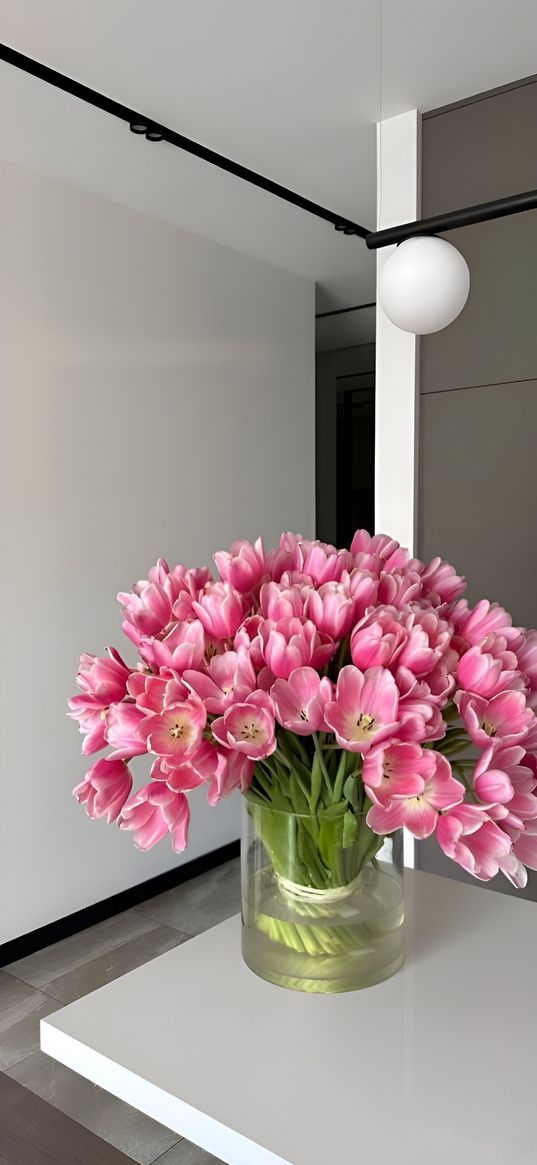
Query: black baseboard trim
[{"x": 53, "y": 932}]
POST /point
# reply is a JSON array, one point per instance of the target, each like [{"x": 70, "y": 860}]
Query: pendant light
[{"x": 424, "y": 284}]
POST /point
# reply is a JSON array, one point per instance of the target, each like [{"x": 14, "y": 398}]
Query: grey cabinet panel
[
  {"x": 478, "y": 490},
  {"x": 495, "y": 337},
  {"x": 482, "y": 150}
]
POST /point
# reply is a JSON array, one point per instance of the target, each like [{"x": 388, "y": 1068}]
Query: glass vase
[{"x": 322, "y": 900}]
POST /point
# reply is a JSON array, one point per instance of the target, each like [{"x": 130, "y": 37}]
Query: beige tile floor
[{"x": 38, "y": 985}]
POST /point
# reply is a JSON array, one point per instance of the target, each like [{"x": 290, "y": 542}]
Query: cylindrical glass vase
[{"x": 322, "y": 899}]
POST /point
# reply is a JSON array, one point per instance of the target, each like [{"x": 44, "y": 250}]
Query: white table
[{"x": 437, "y": 1065}]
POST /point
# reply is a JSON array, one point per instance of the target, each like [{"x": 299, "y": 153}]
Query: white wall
[{"x": 158, "y": 398}]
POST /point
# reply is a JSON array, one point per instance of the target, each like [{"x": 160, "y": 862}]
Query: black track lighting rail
[
  {"x": 155, "y": 132},
  {"x": 466, "y": 216}
]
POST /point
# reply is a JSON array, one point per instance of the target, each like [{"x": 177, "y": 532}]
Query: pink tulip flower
[
  {"x": 102, "y": 677},
  {"x": 282, "y": 559},
  {"x": 377, "y": 553},
  {"x": 332, "y": 609},
  {"x": 399, "y": 588},
  {"x": 91, "y": 716},
  {"x": 280, "y": 601},
  {"x": 364, "y": 711},
  {"x": 504, "y": 719},
  {"x": 324, "y": 563},
  {"x": 420, "y": 813},
  {"x": 363, "y": 587},
  {"x": 492, "y": 782},
  {"x": 248, "y": 637},
  {"x": 243, "y": 566},
  {"x": 176, "y": 732},
  {"x": 228, "y": 679},
  {"x": 525, "y": 846},
  {"x": 378, "y": 639},
  {"x": 233, "y": 771},
  {"x": 105, "y": 788},
  {"x": 183, "y": 647},
  {"x": 527, "y": 658},
  {"x": 188, "y": 585},
  {"x": 381, "y": 546},
  {"x": 147, "y": 609},
  {"x": 292, "y": 643},
  {"x": 153, "y": 812},
  {"x": 485, "y": 673},
  {"x": 221, "y": 610},
  {"x": 152, "y": 693},
  {"x": 475, "y": 624},
  {"x": 419, "y": 715},
  {"x": 516, "y": 811},
  {"x": 103, "y": 682},
  {"x": 435, "y": 728},
  {"x": 248, "y": 727},
  {"x": 195, "y": 769},
  {"x": 440, "y": 579},
  {"x": 300, "y": 701},
  {"x": 428, "y": 638},
  {"x": 441, "y": 683},
  {"x": 399, "y": 770},
  {"x": 122, "y": 723},
  {"x": 467, "y": 835},
  {"x": 514, "y": 870}
]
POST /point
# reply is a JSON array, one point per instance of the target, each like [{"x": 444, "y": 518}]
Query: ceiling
[{"x": 290, "y": 88}]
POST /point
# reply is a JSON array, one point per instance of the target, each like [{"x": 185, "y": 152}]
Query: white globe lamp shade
[{"x": 424, "y": 285}]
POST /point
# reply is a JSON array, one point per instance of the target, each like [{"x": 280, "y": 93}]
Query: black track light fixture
[
  {"x": 156, "y": 133},
  {"x": 484, "y": 212},
  {"x": 145, "y": 129}
]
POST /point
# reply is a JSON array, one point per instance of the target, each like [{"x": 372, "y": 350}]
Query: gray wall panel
[
  {"x": 495, "y": 337},
  {"x": 484, "y": 149},
  {"x": 478, "y": 429},
  {"x": 478, "y": 490}
]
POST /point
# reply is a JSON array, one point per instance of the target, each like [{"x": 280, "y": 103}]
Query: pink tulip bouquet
[{"x": 351, "y": 684}]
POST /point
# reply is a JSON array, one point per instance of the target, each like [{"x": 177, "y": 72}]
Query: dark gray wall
[
  {"x": 478, "y": 423},
  {"x": 477, "y": 482}
]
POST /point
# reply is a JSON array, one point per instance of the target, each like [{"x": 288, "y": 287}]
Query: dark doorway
[
  {"x": 355, "y": 454},
  {"x": 345, "y": 442}
]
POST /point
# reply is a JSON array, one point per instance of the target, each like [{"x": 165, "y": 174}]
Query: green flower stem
[
  {"x": 320, "y": 757},
  {"x": 340, "y": 777}
]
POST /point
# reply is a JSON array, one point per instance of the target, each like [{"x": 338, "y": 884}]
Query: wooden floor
[{"x": 34, "y": 1133}]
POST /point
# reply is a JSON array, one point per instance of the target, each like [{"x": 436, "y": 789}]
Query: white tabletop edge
[{"x": 211, "y": 1136}]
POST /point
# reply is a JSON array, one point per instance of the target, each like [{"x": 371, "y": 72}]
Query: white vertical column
[
  {"x": 397, "y": 352},
  {"x": 396, "y": 380}
]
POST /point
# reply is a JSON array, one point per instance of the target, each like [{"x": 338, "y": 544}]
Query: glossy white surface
[{"x": 434, "y": 1066}]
